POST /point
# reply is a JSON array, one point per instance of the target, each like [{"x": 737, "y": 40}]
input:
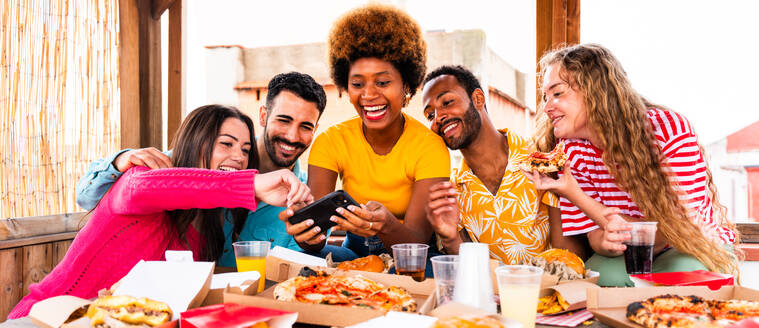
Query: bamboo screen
[{"x": 59, "y": 101}]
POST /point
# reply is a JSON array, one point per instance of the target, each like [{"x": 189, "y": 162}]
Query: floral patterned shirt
[{"x": 512, "y": 222}]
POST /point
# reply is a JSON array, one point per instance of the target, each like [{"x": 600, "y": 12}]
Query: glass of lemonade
[
  {"x": 251, "y": 256},
  {"x": 519, "y": 286}
]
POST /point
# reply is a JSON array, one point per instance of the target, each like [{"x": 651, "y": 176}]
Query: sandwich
[{"x": 128, "y": 309}]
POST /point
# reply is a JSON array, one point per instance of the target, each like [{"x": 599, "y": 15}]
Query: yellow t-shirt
[
  {"x": 512, "y": 222},
  {"x": 387, "y": 179}
]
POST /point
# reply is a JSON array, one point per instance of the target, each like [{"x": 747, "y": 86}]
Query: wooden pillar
[
  {"x": 177, "y": 61},
  {"x": 140, "y": 74},
  {"x": 557, "y": 24}
]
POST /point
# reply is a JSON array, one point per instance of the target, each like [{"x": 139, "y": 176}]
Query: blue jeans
[
  {"x": 362, "y": 246},
  {"x": 339, "y": 254}
]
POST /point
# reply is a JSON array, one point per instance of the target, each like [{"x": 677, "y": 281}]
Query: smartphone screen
[{"x": 321, "y": 210}]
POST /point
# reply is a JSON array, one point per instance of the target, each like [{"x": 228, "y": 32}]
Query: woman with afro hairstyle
[
  {"x": 387, "y": 160},
  {"x": 627, "y": 160}
]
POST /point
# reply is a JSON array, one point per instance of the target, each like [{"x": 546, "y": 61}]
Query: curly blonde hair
[
  {"x": 381, "y": 32},
  {"x": 617, "y": 115}
]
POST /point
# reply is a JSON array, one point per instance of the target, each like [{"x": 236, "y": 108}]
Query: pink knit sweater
[{"x": 131, "y": 224}]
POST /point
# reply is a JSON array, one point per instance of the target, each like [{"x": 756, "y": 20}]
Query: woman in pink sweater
[{"x": 147, "y": 212}]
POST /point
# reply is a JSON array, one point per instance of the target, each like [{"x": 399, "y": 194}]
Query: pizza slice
[
  {"x": 345, "y": 290},
  {"x": 735, "y": 310},
  {"x": 689, "y": 311},
  {"x": 545, "y": 162}
]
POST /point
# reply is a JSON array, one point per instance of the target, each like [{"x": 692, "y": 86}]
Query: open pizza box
[
  {"x": 332, "y": 315},
  {"x": 182, "y": 285},
  {"x": 609, "y": 305}
]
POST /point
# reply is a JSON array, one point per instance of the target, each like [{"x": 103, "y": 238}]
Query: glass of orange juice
[{"x": 251, "y": 256}]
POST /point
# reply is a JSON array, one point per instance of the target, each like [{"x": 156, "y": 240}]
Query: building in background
[
  {"x": 735, "y": 165},
  {"x": 238, "y": 76}
]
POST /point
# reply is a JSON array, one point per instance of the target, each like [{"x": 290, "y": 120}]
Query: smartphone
[{"x": 321, "y": 210}]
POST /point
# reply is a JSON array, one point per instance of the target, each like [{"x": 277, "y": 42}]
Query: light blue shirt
[{"x": 263, "y": 224}]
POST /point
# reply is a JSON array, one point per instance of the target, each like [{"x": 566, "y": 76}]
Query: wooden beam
[
  {"x": 749, "y": 232},
  {"x": 140, "y": 74},
  {"x": 573, "y": 22},
  {"x": 11, "y": 229},
  {"x": 557, "y": 23},
  {"x": 54, "y": 238},
  {"x": 159, "y": 6},
  {"x": 129, "y": 72},
  {"x": 151, "y": 127},
  {"x": 177, "y": 62},
  {"x": 543, "y": 27}
]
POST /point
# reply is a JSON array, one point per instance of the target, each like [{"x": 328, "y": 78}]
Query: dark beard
[
  {"x": 269, "y": 145},
  {"x": 469, "y": 127}
]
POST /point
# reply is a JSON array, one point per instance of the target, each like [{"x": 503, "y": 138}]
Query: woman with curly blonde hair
[
  {"x": 387, "y": 160},
  {"x": 628, "y": 160}
]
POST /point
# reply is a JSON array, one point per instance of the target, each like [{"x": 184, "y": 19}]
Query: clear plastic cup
[
  {"x": 444, "y": 268},
  {"x": 639, "y": 254},
  {"x": 518, "y": 287},
  {"x": 251, "y": 256},
  {"x": 410, "y": 260}
]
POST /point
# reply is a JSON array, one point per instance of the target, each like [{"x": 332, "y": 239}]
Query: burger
[
  {"x": 128, "y": 309},
  {"x": 571, "y": 260},
  {"x": 371, "y": 263}
]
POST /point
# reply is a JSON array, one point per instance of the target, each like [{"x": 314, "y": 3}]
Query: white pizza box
[
  {"x": 609, "y": 305},
  {"x": 182, "y": 285},
  {"x": 283, "y": 263},
  {"x": 451, "y": 309},
  {"x": 245, "y": 283},
  {"x": 332, "y": 315}
]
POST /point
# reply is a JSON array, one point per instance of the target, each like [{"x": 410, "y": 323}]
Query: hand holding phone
[{"x": 321, "y": 210}]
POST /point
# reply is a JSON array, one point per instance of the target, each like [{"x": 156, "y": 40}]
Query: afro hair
[{"x": 382, "y": 32}]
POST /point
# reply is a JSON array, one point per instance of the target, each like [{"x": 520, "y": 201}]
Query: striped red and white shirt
[{"x": 679, "y": 145}]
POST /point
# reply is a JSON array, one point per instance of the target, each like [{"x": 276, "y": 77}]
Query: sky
[{"x": 682, "y": 54}]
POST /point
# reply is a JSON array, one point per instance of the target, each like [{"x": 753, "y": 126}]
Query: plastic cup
[
  {"x": 519, "y": 286},
  {"x": 639, "y": 254},
  {"x": 251, "y": 256},
  {"x": 444, "y": 268},
  {"x": 410, "y": 260},
  {"x": 474, "y": 286}
]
